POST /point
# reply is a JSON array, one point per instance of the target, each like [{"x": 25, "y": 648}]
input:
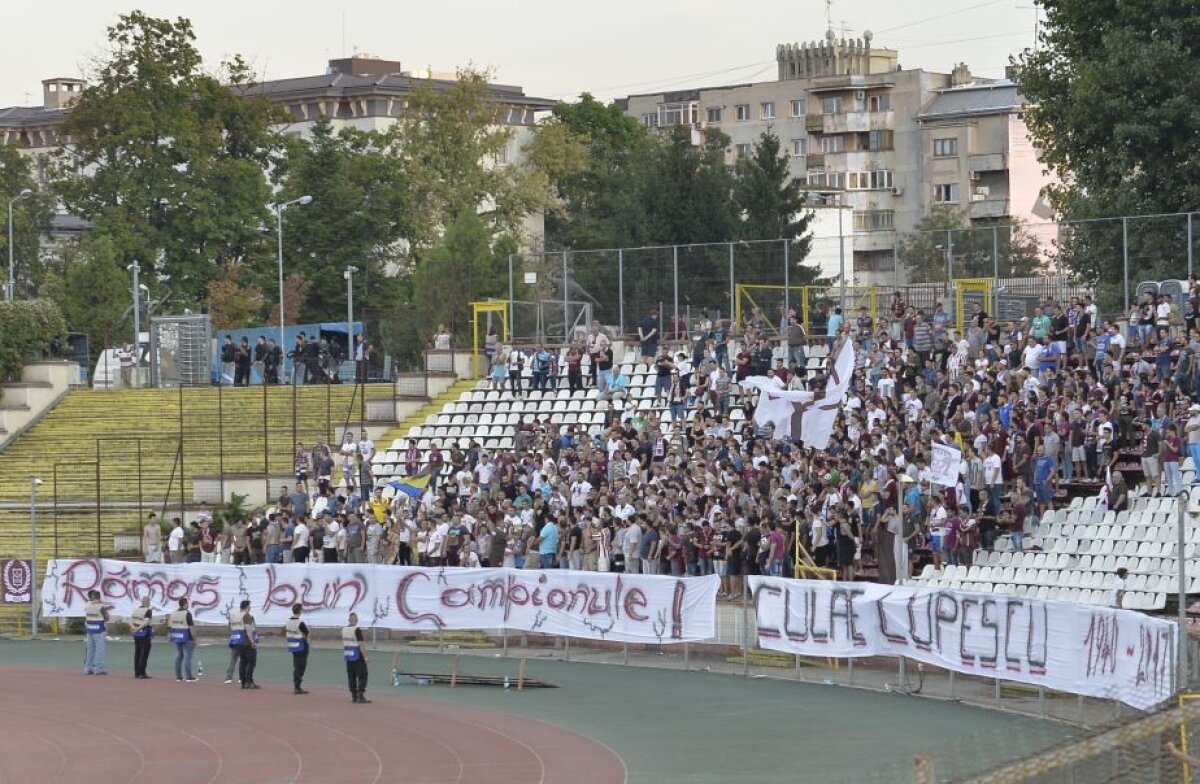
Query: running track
[{"x": 59, "y": 726}]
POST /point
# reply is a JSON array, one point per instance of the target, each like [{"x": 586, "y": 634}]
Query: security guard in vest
[
  {"x": 180, "y": 623},
  {"x": 356, "y": 659},
  {"x": 243, "y": 638},
  {"x": 296, "y": 633},
  {"x": 140, "y": 621},
  {"x": 95, "y": 620}
]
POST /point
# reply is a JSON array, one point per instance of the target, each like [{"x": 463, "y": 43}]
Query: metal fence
[
  {"x": 200, "y": 446},
  {"x": 683, "y": 281}
]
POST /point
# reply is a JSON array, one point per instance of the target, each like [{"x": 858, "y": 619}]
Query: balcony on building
[
  {"x": 873, "y": 241},
  {"x": 987, "y": 162},
  {"x": 989, "y": 209},
  {"x": 814, "y": 123},
  {"x": 814, "y": 160}
]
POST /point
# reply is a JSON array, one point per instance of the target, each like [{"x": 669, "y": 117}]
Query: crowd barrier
[{"x": 1104, "y": 653}]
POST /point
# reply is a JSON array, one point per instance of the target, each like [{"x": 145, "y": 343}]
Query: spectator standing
[
  {"x": 152, "y": 550},
  {"x": 648, "y": 336}
]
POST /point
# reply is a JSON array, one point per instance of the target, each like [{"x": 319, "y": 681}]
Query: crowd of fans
[{"x": 686, "y": 483}]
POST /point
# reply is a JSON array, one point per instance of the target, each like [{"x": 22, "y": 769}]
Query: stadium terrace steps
[
  {"x": 454, "y": 393},
  {"x": 134, "y": 435}
]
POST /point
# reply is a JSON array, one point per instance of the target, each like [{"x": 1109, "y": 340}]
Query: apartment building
[
  {"x": 858, "y": 128},
  {"x": 363, "y": 92},
  {"x": 979, "y": 155}
]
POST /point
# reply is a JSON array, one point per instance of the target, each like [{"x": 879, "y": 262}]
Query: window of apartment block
[
  {"x": 880, "y": 140},
  {"x": 879, "y": 103},
  {"x": 650, "y": 119},
  {"x": 833, "y": 144},
  {"x": 714, "y": 114},
  {"x": 945, "y": 148},
  {"x": 742, "y": 111},
  {"x": 672, "y": 114},
  {"x": 799, "y": 107},
  {"x": 799, "y": 146},
  {"x": 874, "y": 220},
  {"x": 880, "y": 179},
  {"x": 766, "y": 110},
  {"x": 742, "y": 150},
  {"x": 831, "y": 106},
  {"x": 946, "y": 193}
]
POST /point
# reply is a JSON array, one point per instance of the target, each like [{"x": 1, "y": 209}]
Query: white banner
[
  {"x": 1096, "y": 651},
  {"x": 590, "y": 605},
  {"x": 945, "y": 465}
]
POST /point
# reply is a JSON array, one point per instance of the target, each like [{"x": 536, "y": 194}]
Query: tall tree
[
  {"x": 602, "y": 195},
  {"x": 771, "y": 204},
  {"x": 166, "y": 160},
  {"x": 92, "y": 289},
  {"x": 1113, "y": 93},
  {"x": 688, "y": 194},
  {"x": 361, "y": 211},
  {"x": 453, "y": 144},
  {"x": 31, "y": 218},
  {"x": 943, "y": 243}
]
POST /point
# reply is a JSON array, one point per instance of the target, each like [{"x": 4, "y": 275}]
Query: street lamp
[
  {"x": 348, "y": 274},
  {"x": 33, "y": 610},
  {"x": 279, "y": 208},
  {"x": 900, "y": 548},
  {"x": 137, "y": 320},
  {"x": 11, "y": 289}
]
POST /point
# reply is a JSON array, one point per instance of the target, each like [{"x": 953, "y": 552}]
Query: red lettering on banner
[
  {"x": 407, "y": 612},
  {"x": 83, "y": 576},
  {"x": 284, "y": 594},
  {"x": 635, "y": 600}
]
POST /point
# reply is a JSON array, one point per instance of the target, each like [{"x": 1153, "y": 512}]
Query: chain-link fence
[
  {"x": 687, "y": 283},
  {"x": 169, "y": 451}
]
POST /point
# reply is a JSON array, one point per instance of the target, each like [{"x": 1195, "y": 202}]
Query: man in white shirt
[
  {"x": 300, "y": 541},
  {"x": 912, "y": 407},
  {"x": 484, "y": 471},
  {"x": 631, "y": 546},
  {"x": 579, "y": 492},
  {"x": 623, "y": 510},
  {"x": 175, "y": 542},
  {"x": 993, "y": 477},
  {"x": 1116, "y": 594},
  {"x": 1031, "y": 355},
  {"x": 366, "y": 447}
]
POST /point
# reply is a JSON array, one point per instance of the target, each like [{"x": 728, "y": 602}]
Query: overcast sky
[{"x": 552, "y": 49}]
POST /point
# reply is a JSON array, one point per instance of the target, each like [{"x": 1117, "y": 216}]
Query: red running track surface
[{"x": 59, "y": 726}]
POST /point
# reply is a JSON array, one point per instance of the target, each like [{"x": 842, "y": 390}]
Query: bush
[{"x": 28, "y": 330}]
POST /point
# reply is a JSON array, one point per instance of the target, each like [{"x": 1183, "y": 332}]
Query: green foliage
[
  {"x": 943, "y": 236},
  {"x": 452, "y": 146},
  {"x": 459, "y": 270},
  {"x": 1114, "y": 108},
  {"x": 29, "y": 329},
  {"x": 234, "y": 511},
  {"x": 601, "y": 198},
  {"x": 361, "y": 210},
  {"x": 91, "y": 287},
  {"x": 688, "y": 191},
  {"x": 31, "y": 217},
  {"x": 166, "y": 160},
  {"x": 772, "y": 204}
]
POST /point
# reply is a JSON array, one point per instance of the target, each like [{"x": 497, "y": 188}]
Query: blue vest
[{"x": 351, "y": 650}]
